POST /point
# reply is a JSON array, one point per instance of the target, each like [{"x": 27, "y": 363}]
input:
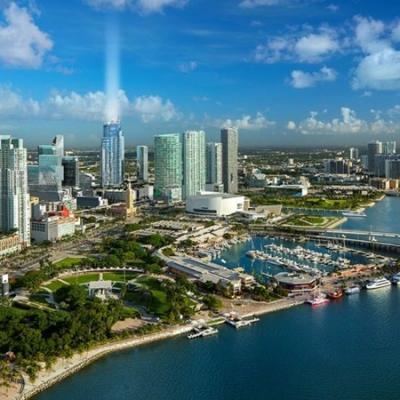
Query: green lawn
[
  {"x": 309, "y": 221},
  {"x": 80, "y": 279},
  {"x": 55, "y": 285},
  {"x": 68, "y": 262},
  {"x": 156, "y": 302},
  {"x": 118, "y": 276}
]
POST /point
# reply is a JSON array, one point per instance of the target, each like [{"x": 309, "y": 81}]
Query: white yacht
[
  {"x": 354, "y": 214},
  {"x": 377, "y": 283}
]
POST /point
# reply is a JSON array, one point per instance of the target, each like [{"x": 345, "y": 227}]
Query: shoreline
[{"x": 64, "y": 368}]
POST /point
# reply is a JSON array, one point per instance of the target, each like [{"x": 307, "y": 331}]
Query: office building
[
  {"x": 338, "y": 166},
  {"x": 14, "y": 196},
  {"x": 230, "y": 143},
  {"x": 374, "y": 148},
  {"x": 194, "y": 162},
  {"x": 71, "y": 171},
  {"x": 354, "y": 154},
  {"x": 112, "y": 155},
  {"x": 142, "y": 158},
  {"x": 168, "y": 167},
  {"x": 389, "y": 147},
  {"x": 214, "y": 163},
  {"x": 5, "y": 286},
  {"x": 392, "y": 168}
]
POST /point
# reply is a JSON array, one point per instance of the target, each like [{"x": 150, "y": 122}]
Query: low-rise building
[
  {"x": 10, "y": 244},
  {"x": 215, "y": 204},
  {"x": 207, "y": 272},
  {"x": 52, "y": 228}
]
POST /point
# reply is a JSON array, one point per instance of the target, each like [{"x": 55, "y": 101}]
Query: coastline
[{"x": 64, "y": 368}]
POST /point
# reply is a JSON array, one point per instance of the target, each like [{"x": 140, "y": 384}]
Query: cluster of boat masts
[
  {"x": 377, "y": 283},
  {"x": 201, "y": 329},
  {"x": 290, "y": 258}
]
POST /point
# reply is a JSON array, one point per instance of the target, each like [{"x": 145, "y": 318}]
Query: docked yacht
[
  {"x": 378, "y": 283},
  {"x": 318, "y": 300},
  {"x": 352, "y": 290}
]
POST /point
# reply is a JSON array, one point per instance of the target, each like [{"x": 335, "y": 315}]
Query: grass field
[
  {"x": 79, "y": 279},
  {"x": 309, "y": 221},
  {"x": 118, "y": 276},
  {"x": 68, "y": 262},
  {"x": 55, "y": 285},
  {"x": 152, "y": 296}
]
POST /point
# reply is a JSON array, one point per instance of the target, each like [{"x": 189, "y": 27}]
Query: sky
[{"x": 290, "y": 72}]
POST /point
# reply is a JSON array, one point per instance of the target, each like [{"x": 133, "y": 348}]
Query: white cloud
[
  {"x": 144, "y": 6},
  {"x": 379, "y": 69},
  {"x": 247, "y": 122},
  {"x": 396, "y": 32},
  {"x": 154, "y": 107},
  {"x": 304, "y": 47},
  {"x": 259, "y": 3},
  {"x": 333, "y": 7},
  {"x": 150, "y": 6},
  {"x": 348, "y": 123},
  {"x": 314, "y": 47},
  {"x": 22, "y": 43},
  {"x": 85, "y": 107},
  {"x": 188, "y": 66},
  {"x": 302, "y": 80},
  {"x": 109, "y": 4},
  {"x": 12, "y": 104},
  {"x": 291, "y": 125}
]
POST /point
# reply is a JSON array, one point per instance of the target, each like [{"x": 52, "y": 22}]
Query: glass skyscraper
[
  {"x": 168, "y": 167},
  {"x": 194, "y": 162},
  {"x": 14, "y": 196},
  {"x": 142, "y": 158},
  {"x": 214, "y": 163},
  {"x": 230, "y": 143},
  {"x": 112, "y": 155}
]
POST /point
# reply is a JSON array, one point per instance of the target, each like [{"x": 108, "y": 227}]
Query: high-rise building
[
  {"x": 168, "y": 167},
  {"x": 392, "y": 168},
  {"x": 338, "y": 166},
  {"x": 45, "y": 178},
  {"x": 112, "y": 155},
  {"x": 142, "y": 158},
  {"x": 194, "y": 162},
  {"x": 71, "y": 171},
  {"x": 214, "y": 163},
  {"x": 354, "y": 153},
  {"x": 374, "y": 148},
  {"x": 389, "y": 147},
  {"x": 14, "y": 196},
  {"x": 230, "y": 143}
]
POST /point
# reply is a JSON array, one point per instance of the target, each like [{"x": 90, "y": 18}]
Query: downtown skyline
[{"x": 256, "y": 65}]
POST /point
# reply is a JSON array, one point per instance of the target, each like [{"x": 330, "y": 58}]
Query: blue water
[
  {"x": 383, "y": 217},
  {"x": 347, "y": 350}
]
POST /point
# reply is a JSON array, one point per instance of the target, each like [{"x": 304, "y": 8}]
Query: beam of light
[{"x": 112, "y": 111}]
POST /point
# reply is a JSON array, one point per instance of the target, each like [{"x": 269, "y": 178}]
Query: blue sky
[{"x": 282, "y": 71}]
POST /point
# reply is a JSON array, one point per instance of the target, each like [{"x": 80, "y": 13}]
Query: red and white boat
[{"x": 318, "y": 300}]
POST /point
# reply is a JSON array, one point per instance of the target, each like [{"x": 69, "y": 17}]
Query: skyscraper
[
  {"x": 112, "y": 155},
  {"x": 389, "y": 147},
  {"x": 374, "y": 148},
  {"x": 392, "y": 168},
  {"x": 194, "y": 162},
  {"x": 142, "y": 159},
  {"x": 14, "y": 197},
  {"x": 214, "y": 163},
  {"x": 354, "y": 153},
  {"x": 168, "y": 167},
  {"x": 230, "y": 143},
  {"x": 71, "y": 171}
]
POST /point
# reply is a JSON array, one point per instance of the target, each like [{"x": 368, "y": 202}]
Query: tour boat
[
  {"x": 318, "y": 300},
  {"x": 378, "y": 283}
]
